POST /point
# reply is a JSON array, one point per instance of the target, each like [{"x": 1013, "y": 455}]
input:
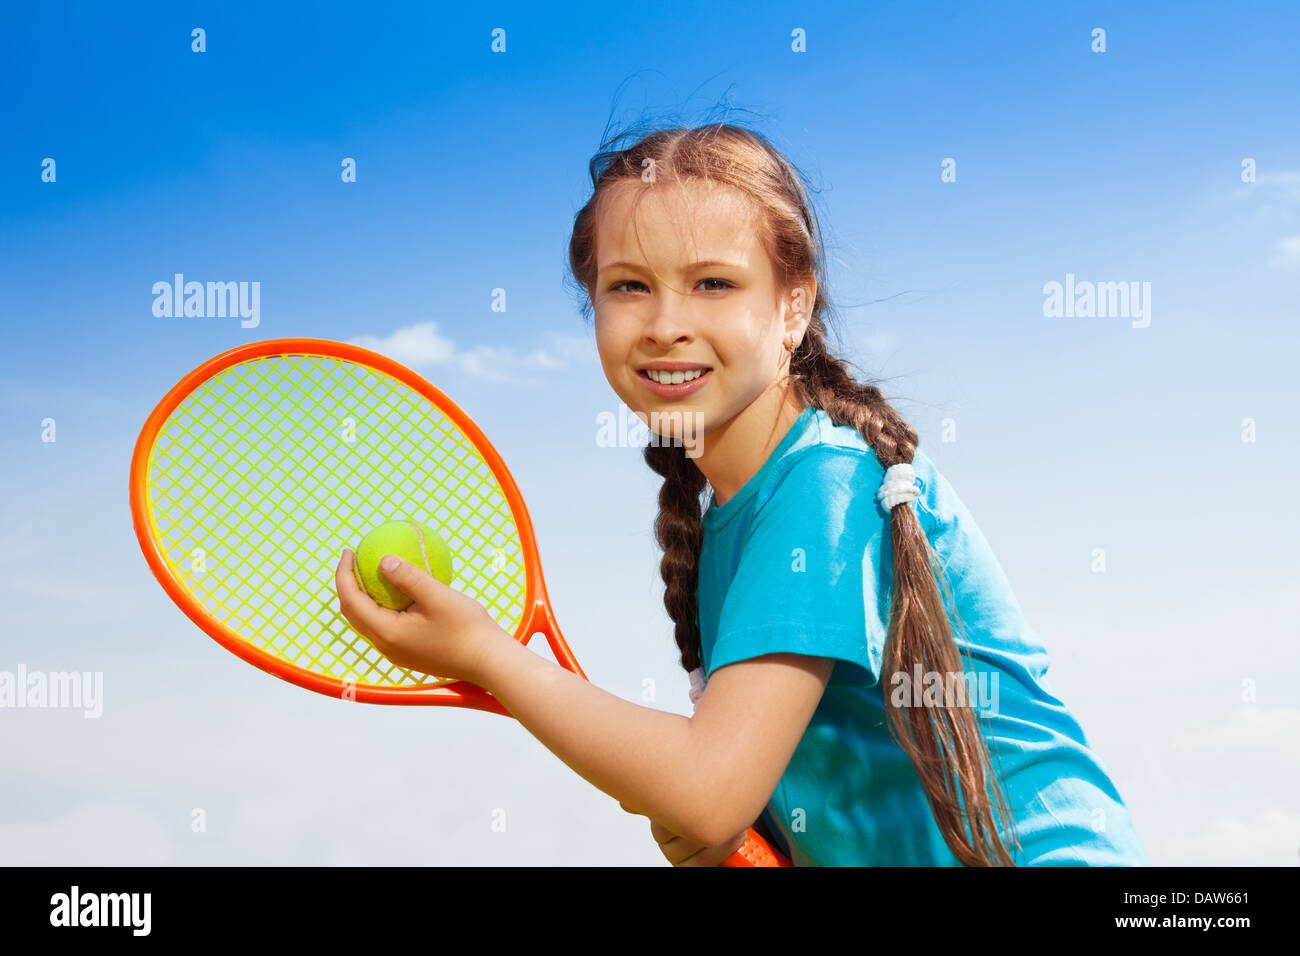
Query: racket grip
[{"x": 756, "y": 851}]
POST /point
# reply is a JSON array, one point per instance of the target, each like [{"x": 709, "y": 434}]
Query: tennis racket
[{"x": 261, "y": 465}]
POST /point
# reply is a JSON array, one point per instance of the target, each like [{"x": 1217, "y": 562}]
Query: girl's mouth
[{"x": 675, "y": 391}]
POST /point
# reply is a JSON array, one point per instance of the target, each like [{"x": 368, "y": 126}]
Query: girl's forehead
[{"x": 695, "y": 222}]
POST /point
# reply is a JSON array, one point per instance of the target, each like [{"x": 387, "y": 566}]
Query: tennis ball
[{"x": 409, "y": 540}]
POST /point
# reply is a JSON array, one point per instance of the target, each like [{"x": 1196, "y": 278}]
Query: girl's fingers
[
  {"x": 714, "y": 855},
  {"x": 677, "y": 850},
  {"x": 357, "y": 606},
  {"x": 682, "y": 852},
  {"x": 420, "y": 586}
]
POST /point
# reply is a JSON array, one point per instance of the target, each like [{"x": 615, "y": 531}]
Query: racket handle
[{"x": 756, "y": 851}]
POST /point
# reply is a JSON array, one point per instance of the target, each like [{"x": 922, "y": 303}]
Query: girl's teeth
[{"x": 674, "y": 378}]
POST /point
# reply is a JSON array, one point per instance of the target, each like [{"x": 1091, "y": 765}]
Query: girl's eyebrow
[{"x": 702, "y": 264}]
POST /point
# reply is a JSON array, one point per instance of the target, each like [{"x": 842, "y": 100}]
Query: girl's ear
[
  {"x": 802, "y": 297},
  {"x": 801, "y": 302}
]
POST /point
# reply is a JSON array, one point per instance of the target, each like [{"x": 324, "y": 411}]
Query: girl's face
[{"x": 689, "y": 283}]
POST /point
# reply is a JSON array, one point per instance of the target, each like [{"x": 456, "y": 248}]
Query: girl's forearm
[{"x": 644, "y": 758}]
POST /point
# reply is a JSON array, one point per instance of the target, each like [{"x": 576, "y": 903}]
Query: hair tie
[
  {"x": 899, "y": 486},
  {"x": 697, "y": 686}
]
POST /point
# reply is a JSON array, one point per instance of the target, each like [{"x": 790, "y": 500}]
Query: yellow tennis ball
[{"x": 409, "y": 540}]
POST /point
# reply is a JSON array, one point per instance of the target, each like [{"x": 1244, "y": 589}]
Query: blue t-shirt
[{"x": 800, "y": 561}]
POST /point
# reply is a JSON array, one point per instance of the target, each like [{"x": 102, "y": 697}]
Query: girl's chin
[{"x": 674, "y": 424}]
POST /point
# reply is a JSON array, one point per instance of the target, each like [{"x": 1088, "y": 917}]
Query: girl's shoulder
[{"x": 837, "y": 462}]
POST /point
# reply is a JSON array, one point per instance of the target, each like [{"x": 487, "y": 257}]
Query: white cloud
[
  {"x": 1248, "y": 730},
  {"x": 422, "y": 345},
  {"x": 1286, "y": 253},
  {"x": 413, "y": 345},
  {"x": 1271, "y": 839}
]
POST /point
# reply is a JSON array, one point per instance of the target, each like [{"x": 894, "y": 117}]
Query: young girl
[{"x": 868, "y": 691}]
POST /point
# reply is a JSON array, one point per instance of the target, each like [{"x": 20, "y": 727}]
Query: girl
[{"x": 848, "y": 707}]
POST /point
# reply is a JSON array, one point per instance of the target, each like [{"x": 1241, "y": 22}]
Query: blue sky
[{"x": 1071, "y": 433}]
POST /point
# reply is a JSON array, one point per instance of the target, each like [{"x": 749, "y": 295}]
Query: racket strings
[{"x": 264, "y": 473}]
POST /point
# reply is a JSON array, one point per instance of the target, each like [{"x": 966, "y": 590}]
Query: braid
[{"x": 679, "y": 531}]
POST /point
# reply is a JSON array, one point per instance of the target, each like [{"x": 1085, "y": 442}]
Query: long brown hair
[{"x": 944, "y": 743}]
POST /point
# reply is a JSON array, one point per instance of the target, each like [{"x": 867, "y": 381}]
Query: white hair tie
[
  {"x": 697, "y": 686},
  {"x": 899, "y": 486}
]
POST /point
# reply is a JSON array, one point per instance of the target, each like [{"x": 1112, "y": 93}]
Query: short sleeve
[{"x": 814, "y": 571}]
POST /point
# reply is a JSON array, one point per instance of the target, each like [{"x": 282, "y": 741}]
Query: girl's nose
[{"x": 666, "y": 329}]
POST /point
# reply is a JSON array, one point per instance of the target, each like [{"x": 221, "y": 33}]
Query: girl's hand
[
  {"x": 680, "y": 851},
  {"x": 445, "y": 633}
]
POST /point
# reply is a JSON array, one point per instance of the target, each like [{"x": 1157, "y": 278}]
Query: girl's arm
[{"x": 705, "y": 778}]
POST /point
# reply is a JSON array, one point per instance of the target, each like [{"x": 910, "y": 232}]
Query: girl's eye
[{"x": 723, "y": 283}]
